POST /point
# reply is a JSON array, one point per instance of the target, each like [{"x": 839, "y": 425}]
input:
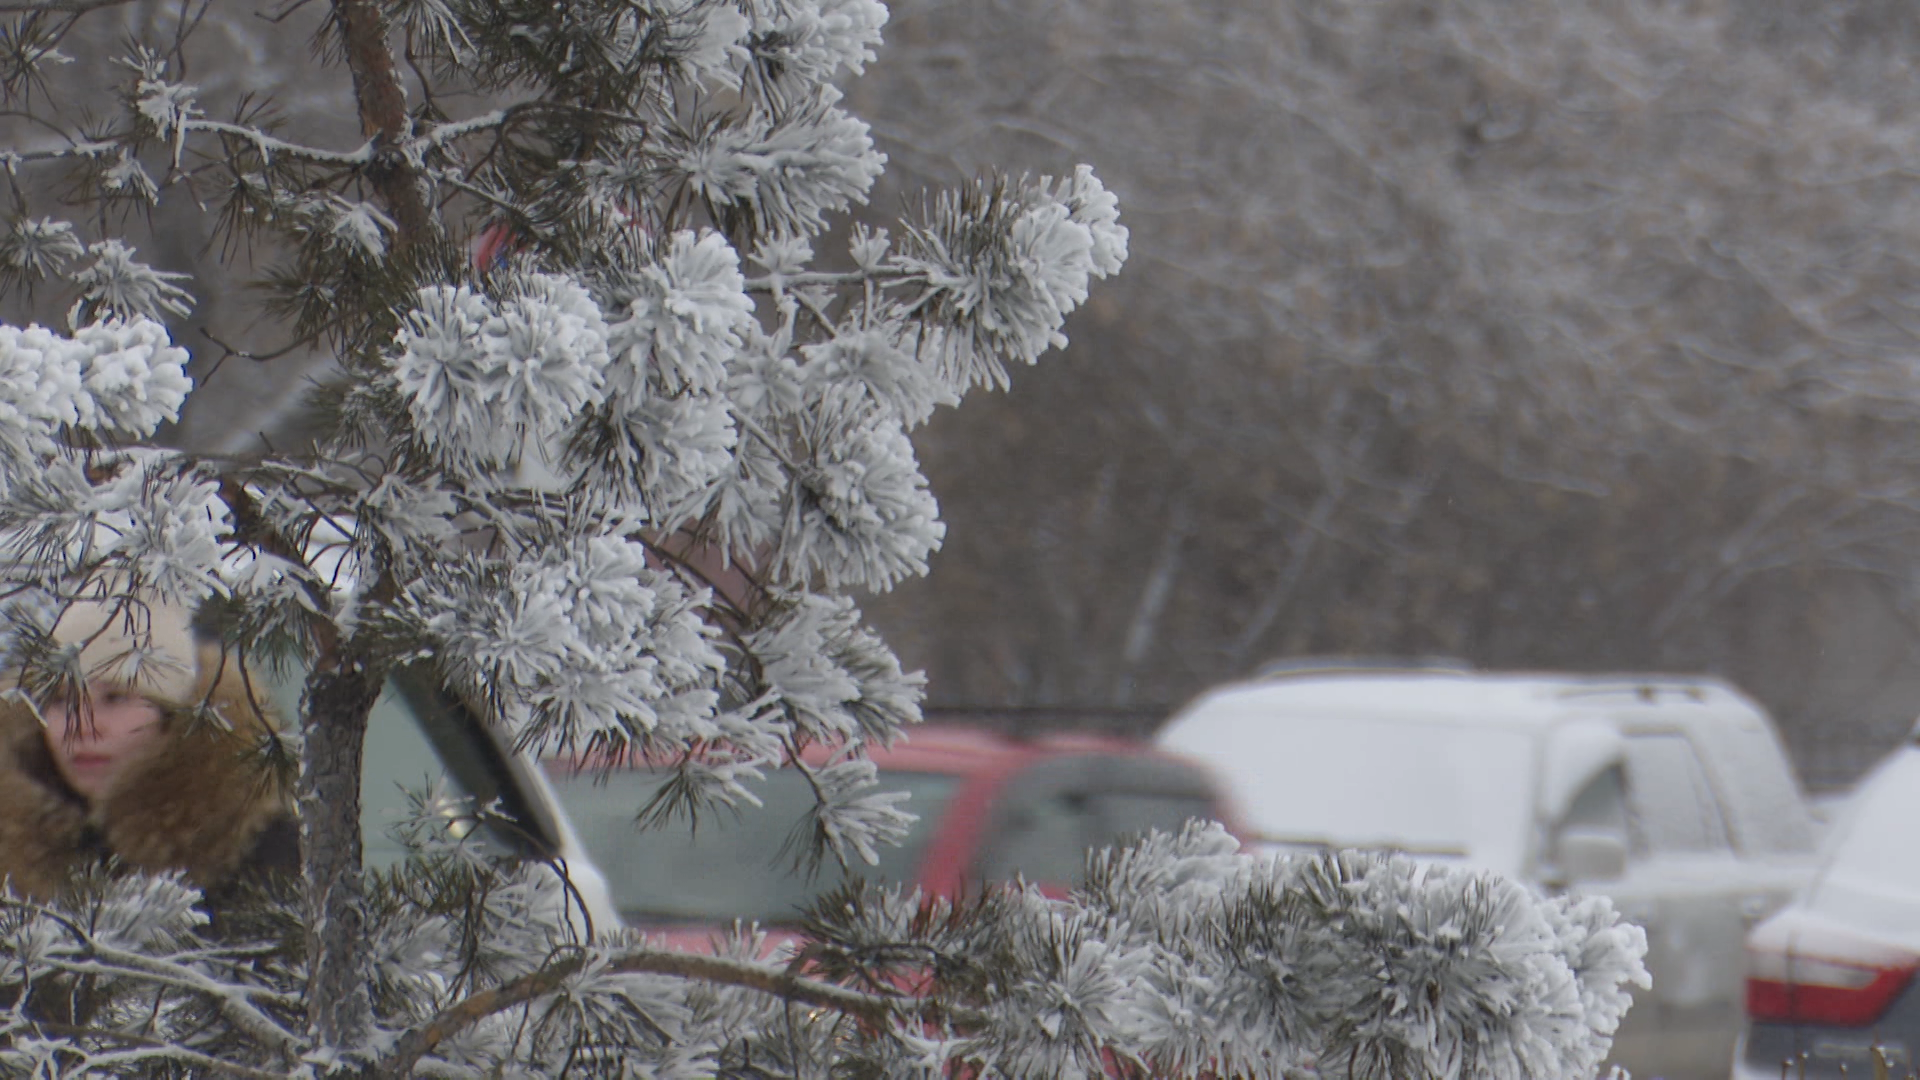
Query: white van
[{"x": 1672, "y": 796}]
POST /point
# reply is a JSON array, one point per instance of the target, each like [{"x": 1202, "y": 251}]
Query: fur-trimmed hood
[{"x": 203, "y": 800}]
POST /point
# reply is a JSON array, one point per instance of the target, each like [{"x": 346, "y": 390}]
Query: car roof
[
  {"x": 1525, "y": 699},
  {"x": 963, "y": 749}
]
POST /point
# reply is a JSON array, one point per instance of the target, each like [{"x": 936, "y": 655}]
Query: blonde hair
[
  {"x": 140, "y": 645},
  {"x": 149, "y": 648}
]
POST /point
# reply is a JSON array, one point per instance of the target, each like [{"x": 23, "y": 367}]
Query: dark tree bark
[
  {"x": 382, "y": 98},
  {"x": 347, "y": 680},
  {"x": 335, "y": 706}
]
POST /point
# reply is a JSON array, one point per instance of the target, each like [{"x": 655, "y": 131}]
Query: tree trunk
[
  {"x": 346, "y": 682},
  {"x": 382, "y": 100},
  {"x": 339, "y": 997}
]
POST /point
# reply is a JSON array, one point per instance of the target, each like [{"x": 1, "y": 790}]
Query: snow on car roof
[{"x": 1456, "y": 696}]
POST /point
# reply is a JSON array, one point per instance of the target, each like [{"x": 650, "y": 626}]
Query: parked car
[
  {"x": 1672, "y": 796},
  {"x": 990, "y": 806},
  {"x": 1831, "y": 976},
  {"x": 419, "y": 736}
]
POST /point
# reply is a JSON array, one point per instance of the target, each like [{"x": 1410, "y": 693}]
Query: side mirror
[{"x": 1590, "y": 855}]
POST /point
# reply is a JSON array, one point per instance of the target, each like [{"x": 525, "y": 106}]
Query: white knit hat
[{"x": 145, "y": 646}]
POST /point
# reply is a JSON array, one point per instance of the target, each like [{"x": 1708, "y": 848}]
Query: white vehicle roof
[
  {"x": 1447, "y": 764},
  {"x": 1526, "y": 700}
]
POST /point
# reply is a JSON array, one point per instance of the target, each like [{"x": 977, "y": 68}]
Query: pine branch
[
  {"x": 269, "y": 146},
  {"x": 251, "y": 528},
  {"x": 233, "y": 1001},
  {"x": 59, "y": 7},
  {"x": 146, "y": 1054},
  {"x": 149, "y": 1049},
  {"x": 442, "y": 134},
  {"x": 871, "y": 1008},
  {"x": 777, "y": 282},
  {"x": 9, "y": 159}
]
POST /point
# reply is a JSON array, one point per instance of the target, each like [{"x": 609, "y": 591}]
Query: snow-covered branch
[
  {"x": 57, "y": 7},
  {"x": 144, "y": 1051},
  {"x": 10, "y": 160},
  {"x": 270, "y": 147},
  {"x": 775, "y": 980},
  {"x": 439, "y": 136}
]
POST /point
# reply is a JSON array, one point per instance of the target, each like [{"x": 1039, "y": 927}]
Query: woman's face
[{"x": 94, "y": 742}]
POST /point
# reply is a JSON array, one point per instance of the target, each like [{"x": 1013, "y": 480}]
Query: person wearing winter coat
[{"x": 133, "y": 775}]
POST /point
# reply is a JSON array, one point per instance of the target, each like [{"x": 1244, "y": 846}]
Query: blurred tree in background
[{"x": 1566, "y": 336}]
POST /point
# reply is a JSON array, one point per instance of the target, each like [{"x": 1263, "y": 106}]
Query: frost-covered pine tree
[{"x": 597, "y": 317}]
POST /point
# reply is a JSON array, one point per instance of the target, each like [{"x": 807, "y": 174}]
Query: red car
[{"x": 990, "y": 807}]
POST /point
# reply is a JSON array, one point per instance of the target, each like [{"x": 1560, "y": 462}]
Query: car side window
[
  {"x": 1598, "y": 811},
  {"x": 1125, "y": 815},
  {"x": 401, "y": 759},
  {"x": 1672, "y": 807},
  {"x": 1601, "y": 805},
  {"x": 1041, "y": 836},
  {"x": 1050, "y": 816},
  {"x": 402, "y": 756}
]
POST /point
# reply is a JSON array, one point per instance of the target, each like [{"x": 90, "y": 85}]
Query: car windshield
[{"x": 729, "y": 865}]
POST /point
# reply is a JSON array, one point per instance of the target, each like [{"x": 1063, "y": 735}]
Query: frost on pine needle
[
  {"x": 683, "y": 320},
  {"x": 157, "y": 912},
  {"x": 36, "y": 249},
  {"x": 834, "y": 678},
  {"x": 783, "y": 256},
  {"x": 133, "y": 376},
  {"x": 786, "y": 174},
  {"x": 359, "y": 226},
  {"x": 164, "y": 105},
  {"x": 165, "y": 526},
  {"x": 1090, "y": 204},
  {"x": 851, "y": 815},
  {"x": 709, "y": 39},
  {"x": 588, "y": 643},
  {"x": 1187, "y": 957},
  {"x": 548, "y": 348},
  {"x": 858, "y": 513},
  {"x": 673, "y": 448},
  {"x": 1005, "y": 264},
  {"x": 877, "y": 360},
  {"x": 442, "y": 370},
  {"x": 128, "y": 180},
  {"x": 816, "y": 43},
  {"x": 115, "y": 283},
  {"x": 118, "y": 377},
  {"x": 484, "y": 380},
  {"x": 408, "y": 511}
]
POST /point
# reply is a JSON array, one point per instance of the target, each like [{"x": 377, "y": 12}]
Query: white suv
[{"x": 1672, "y": 796}]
